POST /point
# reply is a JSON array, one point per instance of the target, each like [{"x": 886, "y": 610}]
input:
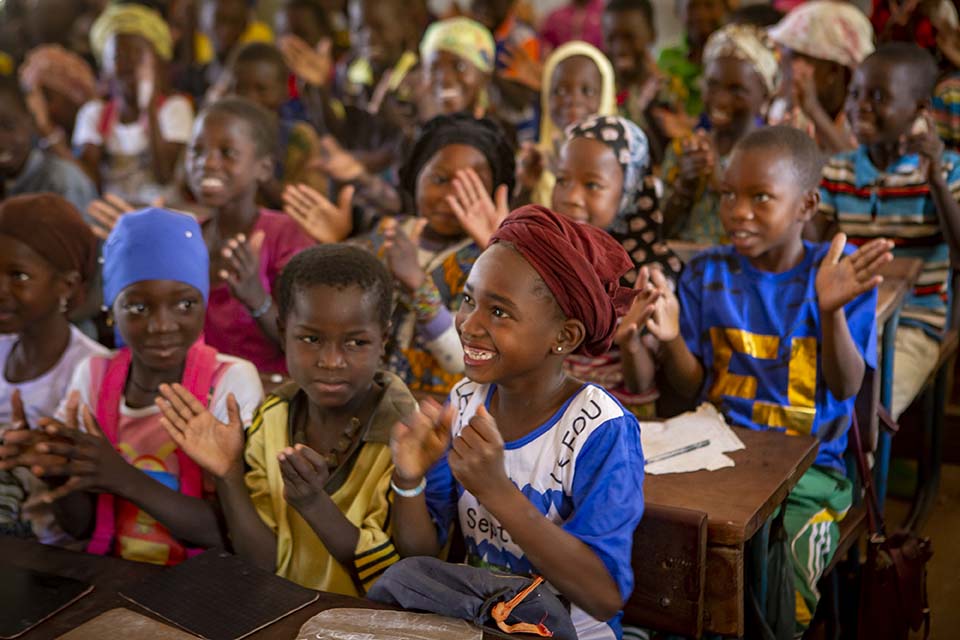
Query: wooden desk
[
  {"x": 737, "y": 501},
  {"x": 899, "y": 277},
  {"x": 110, "y": 575}
]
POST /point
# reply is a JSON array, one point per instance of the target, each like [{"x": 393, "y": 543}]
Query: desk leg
[
  {"x": 882, "y": 466},
  {"x": 929, "y": 459}
]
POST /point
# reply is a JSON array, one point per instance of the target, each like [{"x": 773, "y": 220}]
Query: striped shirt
[
  {"x": 946, "y": 110},
  {"x": 896, "y": 203}
]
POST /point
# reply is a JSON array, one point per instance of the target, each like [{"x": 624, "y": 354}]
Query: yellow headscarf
[
  {"x": 751, "y": 44},
  {"x": 462, "y": 37},
  {"x": 131, "y": 19}
]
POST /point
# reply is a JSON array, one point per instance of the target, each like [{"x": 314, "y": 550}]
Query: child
[
  {"x": 229, "y": 156},
  {"x": 259, "y": 74},
  {"x": 900, "y": 183},
  {"x": 130, "y": 143},
  {"x": 777, "y": 332},
  {"x": 312, "y": 504},
  {"x": 683, "y": 63},
  {"x": 825, "y": 42},
  {"x": 579, "y": 82},
  {"x": 537, "y": 457},
  {"x": 57, "y": 83},
  {"x": 458, "y": 57},
  {"x": 430, "y": 257},
  {"x": 742, "y": 74},
  {"x": 602, "y": 180},
  {"x": 47, "y": 256},
  {"x": 151, "y": 505},
  {"x": 225, "y": 25},
  {"x": 25, "y": 167}
]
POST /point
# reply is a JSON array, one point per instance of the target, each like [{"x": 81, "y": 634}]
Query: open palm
[{"x": 215, "y": 446}]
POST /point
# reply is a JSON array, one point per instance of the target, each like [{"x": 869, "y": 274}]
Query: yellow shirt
[
  {"x": 256, "y": 31},
  {"x": 364, "y": 497}
]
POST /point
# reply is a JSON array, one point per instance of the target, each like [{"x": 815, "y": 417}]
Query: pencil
[{"x": 678, "y": 452}]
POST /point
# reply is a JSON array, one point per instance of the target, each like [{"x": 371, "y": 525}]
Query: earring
[
  {"x": 559, "y": 349},
  {"x": 64, "y": 304}
]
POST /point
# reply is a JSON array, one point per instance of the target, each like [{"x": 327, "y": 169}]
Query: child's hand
[
  {"x": 335, "y": 161},
  {"x": 474, "y": 208},
  {"x": 241, "y": 269},
  {"x": 304, "y": 473},
  {"x": 107, "y": 212},
  {"x": 924, "y": 141},
  {"x": 401, "y": 254},
  {"x": 695, "y": 161},
  {"x": 664, "y": 324},
  {"x": 312, "y": 66},
  {"x": 841, "y": 279},
  {"x": 804, "y": 88},
  {"x": 641, "y": 310},
  {"x": 323, "y": 221},
  {"x": 520, "y": 67},
  {"x": 529, "y": 166},
  {"x": 89, "y": 461},
  {"x": 419, "y": 441},
  {"x": 215, "y": 446},
  {"x": 476, "y": 458}
]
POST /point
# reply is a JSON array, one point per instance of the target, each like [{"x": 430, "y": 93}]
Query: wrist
[
  {"x": 404, "y": 483},
  {"x": 259, "y": 309}
]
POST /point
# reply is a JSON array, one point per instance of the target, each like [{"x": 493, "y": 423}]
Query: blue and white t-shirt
[{"x": 582, "y": 469}]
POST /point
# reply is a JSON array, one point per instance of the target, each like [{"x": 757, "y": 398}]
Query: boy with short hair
[
  {"x": 900, "y": 183},
  {"x": 777, "y": 332}
]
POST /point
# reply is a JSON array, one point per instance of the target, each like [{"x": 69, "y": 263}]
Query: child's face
[
  {"x": 224, "y": 22},
  {"x": 589, "y": 182},
  {"x": 30, "y": 287},
  {"x": 575, "y": 91},
  {"x": 626, "y": 38},
  {"x": 734, "y": 95},
  {"x": 762, "y": 207},
  {"x": 379, "y": 31},
  {"x": 508, "y": 321},
  {"x": 435, "y": 184},
  {"x": 159, "y": 320},
  {"x": 223, "y": 166},
  {"x": 880, "y": 106},
  {"x": 126, "y": 59},
  {"x": 16, "y": 131},
  {"x": 456, "y": 83},
  {"x": 262, "y": 82},
  {"x": 701, "y": 18},
  {"x": 299, "y": 21},
  {"x": 333, "y": 341}
]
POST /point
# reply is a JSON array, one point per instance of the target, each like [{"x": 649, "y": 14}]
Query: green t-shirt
[{"x": 683, "y": 76}]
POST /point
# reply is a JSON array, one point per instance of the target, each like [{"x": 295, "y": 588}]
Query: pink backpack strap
[{"x": 198, "y": 375}]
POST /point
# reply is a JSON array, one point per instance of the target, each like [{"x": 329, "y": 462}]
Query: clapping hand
[
  {"x": 106, "y": 212},
  {"x": 322, "y": 220},
  {"x": 241, "y": 269},
  {"x": 312, "y": 66},
  {"x": 418, "y": 442},
  {"x": 476, "y": 458},
  {"x": 664, "y": 324},
  {"x": 840, "y": 279},
  {"x": 628, "y": 335},
  {"x": 215, "y": 446},
  {"x": 401, "y": 253},
  {"x": 305, "y": 474},
  {"x": 475, "y": 209}
]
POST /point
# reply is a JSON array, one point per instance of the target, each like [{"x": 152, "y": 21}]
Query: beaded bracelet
[
  {"x": 260, "y": 311},
  {"x": 427, "y": 301}
]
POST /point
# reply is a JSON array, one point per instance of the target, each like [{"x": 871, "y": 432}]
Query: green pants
[{"x": 813, "y": 510}]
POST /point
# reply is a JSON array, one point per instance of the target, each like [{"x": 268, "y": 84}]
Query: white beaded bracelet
[{"x": 409, "y": 493}]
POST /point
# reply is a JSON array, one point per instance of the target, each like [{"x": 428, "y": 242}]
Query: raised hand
[
  {"x": 664, "y": 324},
  {"x": 696, "y": 161},
  {"x": 322, "y": 220},
  {"x": 241, "y": 269},
  {"x": 476, "y": 458},
  {"x": 335, "y": 161},
  {"x": 924, "y": 141},
  {"x": 401, "y": 254},
  {"x": 529, "y": 166},
  {"x": 305, "y": 473},
  {"x": 841, "y": 278},
  {"x": 521, "y": 67},
  {"x": 475, "y": 209},
  {"x": 312, "y": 66},
  {"x": 641, "y": 310},
  {"x": 420, "y": 441},
  {"x": 106, "y": 212},
  {"x": 215, "y": 446}
]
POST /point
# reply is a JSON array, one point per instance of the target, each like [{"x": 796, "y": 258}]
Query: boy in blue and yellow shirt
[
  {"x": 901, "y": 184},
  {"x": 777, "y": 332}
]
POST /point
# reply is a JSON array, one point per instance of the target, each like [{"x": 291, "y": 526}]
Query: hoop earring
[{"x": 64, "y": 304}]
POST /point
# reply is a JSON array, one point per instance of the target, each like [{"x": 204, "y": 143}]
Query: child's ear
[
  {"x": 811, "y": 204},
  {"x": 264, "y": 169},
  {"x": 69, "y": 284},
  {"x": 572, "y": 334}
]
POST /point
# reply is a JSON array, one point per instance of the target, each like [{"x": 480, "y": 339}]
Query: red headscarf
[{"x": 581, "y": 266}]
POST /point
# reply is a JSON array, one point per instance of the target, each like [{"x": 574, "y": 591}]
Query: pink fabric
[
  {"x": 229, "y": 326},
  {"x": 144, "y": 444},
  {"x": 574, "y": 23}
]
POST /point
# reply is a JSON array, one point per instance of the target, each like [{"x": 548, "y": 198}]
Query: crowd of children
[{"x": 333, "y": 287}]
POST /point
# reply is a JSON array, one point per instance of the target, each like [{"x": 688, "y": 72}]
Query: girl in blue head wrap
[{"x": 150, "y": 505}]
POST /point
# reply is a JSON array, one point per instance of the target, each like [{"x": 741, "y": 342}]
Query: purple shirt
[{"x": 574, "y": 22}]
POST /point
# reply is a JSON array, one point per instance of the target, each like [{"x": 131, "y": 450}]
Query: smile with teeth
[
  {"x": 478, "y": 354},
  {"x": 449, "y": 94},
  {"x": 741, "y": 234},
  {"x": 211, "y": 183}
]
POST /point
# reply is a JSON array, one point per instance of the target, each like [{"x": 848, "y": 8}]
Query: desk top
[
  {"x": 739, "y": 499},
  {"x": 109, "y": 575},
  {"x": 899, "y": 276}
]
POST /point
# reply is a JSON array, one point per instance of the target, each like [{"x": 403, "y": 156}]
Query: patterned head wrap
[
  {"x": 748, "y": 43},
  {"x": 580, "y": 264},
  {"x": 53, "y": 67},
  {"x": 637, "y": 226},
  {"x": 462, "y": 37},
  {"x": 131, "y": 19},
  {"x": 835, "y": 31}
]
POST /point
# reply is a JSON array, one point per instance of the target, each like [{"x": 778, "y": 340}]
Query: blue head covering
[{"x": 155, "y": 244}]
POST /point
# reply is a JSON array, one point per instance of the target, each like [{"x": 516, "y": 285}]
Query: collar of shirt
[
  {"x": 866, "y": 174},
  {"x": 33, "y": 164}
]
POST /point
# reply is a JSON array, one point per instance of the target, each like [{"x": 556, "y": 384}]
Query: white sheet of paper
[{"x": 706, "y": 423}]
